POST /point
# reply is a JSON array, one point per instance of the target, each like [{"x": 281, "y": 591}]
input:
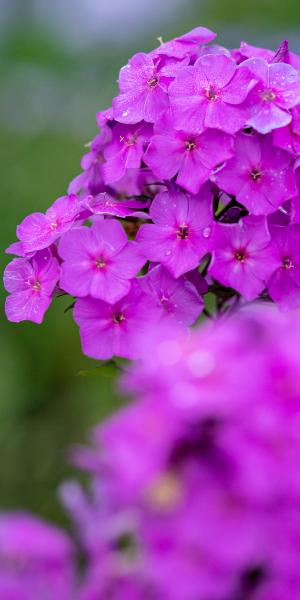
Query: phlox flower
[
  {"x": 210, "y": 94},
  {"x": 277, "y": 90},
  {"x": 38, "y": 230},
  {"x": 99, "y": 261},
  {"x": 192, "y": 157},
  {"x": 288, "y": 138},
  {"x": 126, "y": 150},
  {"x": 91, "y": 179},
  {"x": 30, "y": 283},
  {"x": 105, "y": 204},
  {"x": 284, "y": 283},
  {"x": 181, "y": 229},
  {"x": 143, "y": 92},
  {"x": 176, "y": 298},
  {"x": 260, "y": 176},
  {"x": 189, "y": 42},
  {"x": 111, "y": 329},
  {"x": 36, "y": 559},
  {"x": 243, "y": 257}
]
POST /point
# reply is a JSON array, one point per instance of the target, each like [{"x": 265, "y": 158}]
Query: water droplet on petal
[
  {"x": 206, "y": 232},
  {"x": 168, "y": 252}
]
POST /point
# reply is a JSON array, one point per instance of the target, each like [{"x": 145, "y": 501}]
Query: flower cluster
[
  {"x": 36, "y": 560},
  {"x": 194, "y": 487},
  {"x": 192, "y": 185}
]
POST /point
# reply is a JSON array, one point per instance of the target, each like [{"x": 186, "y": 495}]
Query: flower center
[
  {"x": 129, "y": 141},
  {"x": 153, "y": 82},
  {"x": 118, "y": 318},
  {"x": 100, "y": 263},
  {"x": 255, "y": 175},
  {"x": 268, "y": 96},
  {"x": 190, "y": 145},
  {"x": 36, "y": 286},
  {"x": 287, "y": 263},
  {"x": 182, "y": 232},
  {"x": 240, "y": 255},
  {"x": 212, "y": 93},
  {"x": 165, "y": 493}
]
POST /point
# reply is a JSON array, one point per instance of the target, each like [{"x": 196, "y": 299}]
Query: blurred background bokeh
[{"x": 59, "y": 64}]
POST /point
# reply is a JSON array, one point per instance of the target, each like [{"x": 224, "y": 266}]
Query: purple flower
[
  {"x": 99, "y": 261},
  {"x": 277, "y": 90},
  {"x": 288, "y": 138},
  {"x": 143, "y": 92},
  {"x": 189, "y": 42},
  {"x": 260, "y": 176},
  {"x": 38, "y": 230},
  {"x": 176, "y": 298},
  {"x": 105, "y": 204},
  {"x": 243, "y": 257},
  {"x": 209, "y": 94},
  {"x": 36, "y": 559},
  {"x": 180, "y": 234},
  {"x": 192, "y": 156},
  {"x": 126, "y": 150},
  {"x": 284, "y": 283},
  {"x": 91, "y": 179},
  {"x": 31, "y": 284},
  {"x": 111, "y": 329}
]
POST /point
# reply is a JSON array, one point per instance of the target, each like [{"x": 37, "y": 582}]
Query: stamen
[
  {"x": 240, "y": 255},
  {"x": 118, "y": 318},
  {"x": 190, "y": 145},
  {"x": 268, "y": 96},
  {"x": 212, "y": 93},
  {"x": 183, "y": 232},
  {"x": 100, "y": 263},
  {"x": 153, "y": 82},
  {"x": 36, "y": 286},
  {"x": 287, "y": 263},
  {"x": 255, "y": 175}
]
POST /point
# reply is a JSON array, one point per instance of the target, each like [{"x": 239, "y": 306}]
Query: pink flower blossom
[
  {"x": 126, "y": 150},
  {"x": 99, "y": 261},
  {"x": 277, "y": 90},
  {"x": 38, "y": 230},
  {"x": 143, "y": 93},
  {"x": 176, "y": 298},
  {"x": 243, "y": 257},
  {"x": 105, "y": 204},
  {"x": 187, "y": 43},
  {"x": 110, "y": 329},
  {"x": 284, "y": 283},
  {"x": 180, "y": 234},
  {"x": 288, "y": 138},
  {"x": 192, "y": 157},
  {"x": 30, "y": 284},
  {"x": 210, "y": 94},
  {"x": 260, "y": 176}
]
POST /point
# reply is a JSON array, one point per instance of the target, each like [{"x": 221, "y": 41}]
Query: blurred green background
[{"x": 59, "y": 64}]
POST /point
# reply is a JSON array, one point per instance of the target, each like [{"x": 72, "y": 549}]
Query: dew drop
[
  {"x": 168, "y": 253},
  {"x": 206, "y": 232}
]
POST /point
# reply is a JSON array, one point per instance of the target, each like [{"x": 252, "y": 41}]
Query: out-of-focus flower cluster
[
  {"x": 194, "y": 487},
  {"x": 190, "y": 186}
]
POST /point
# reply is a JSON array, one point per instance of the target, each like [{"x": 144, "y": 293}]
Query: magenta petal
[
  {"x": 164, "y": 156},
  {"x": 16, "y": 275},
  {"x": 284, "y": 290},
  {"x": 155, "y": 242},
  {"x": 26, "y": 306},
  {"x": 192, "y": 173}
]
